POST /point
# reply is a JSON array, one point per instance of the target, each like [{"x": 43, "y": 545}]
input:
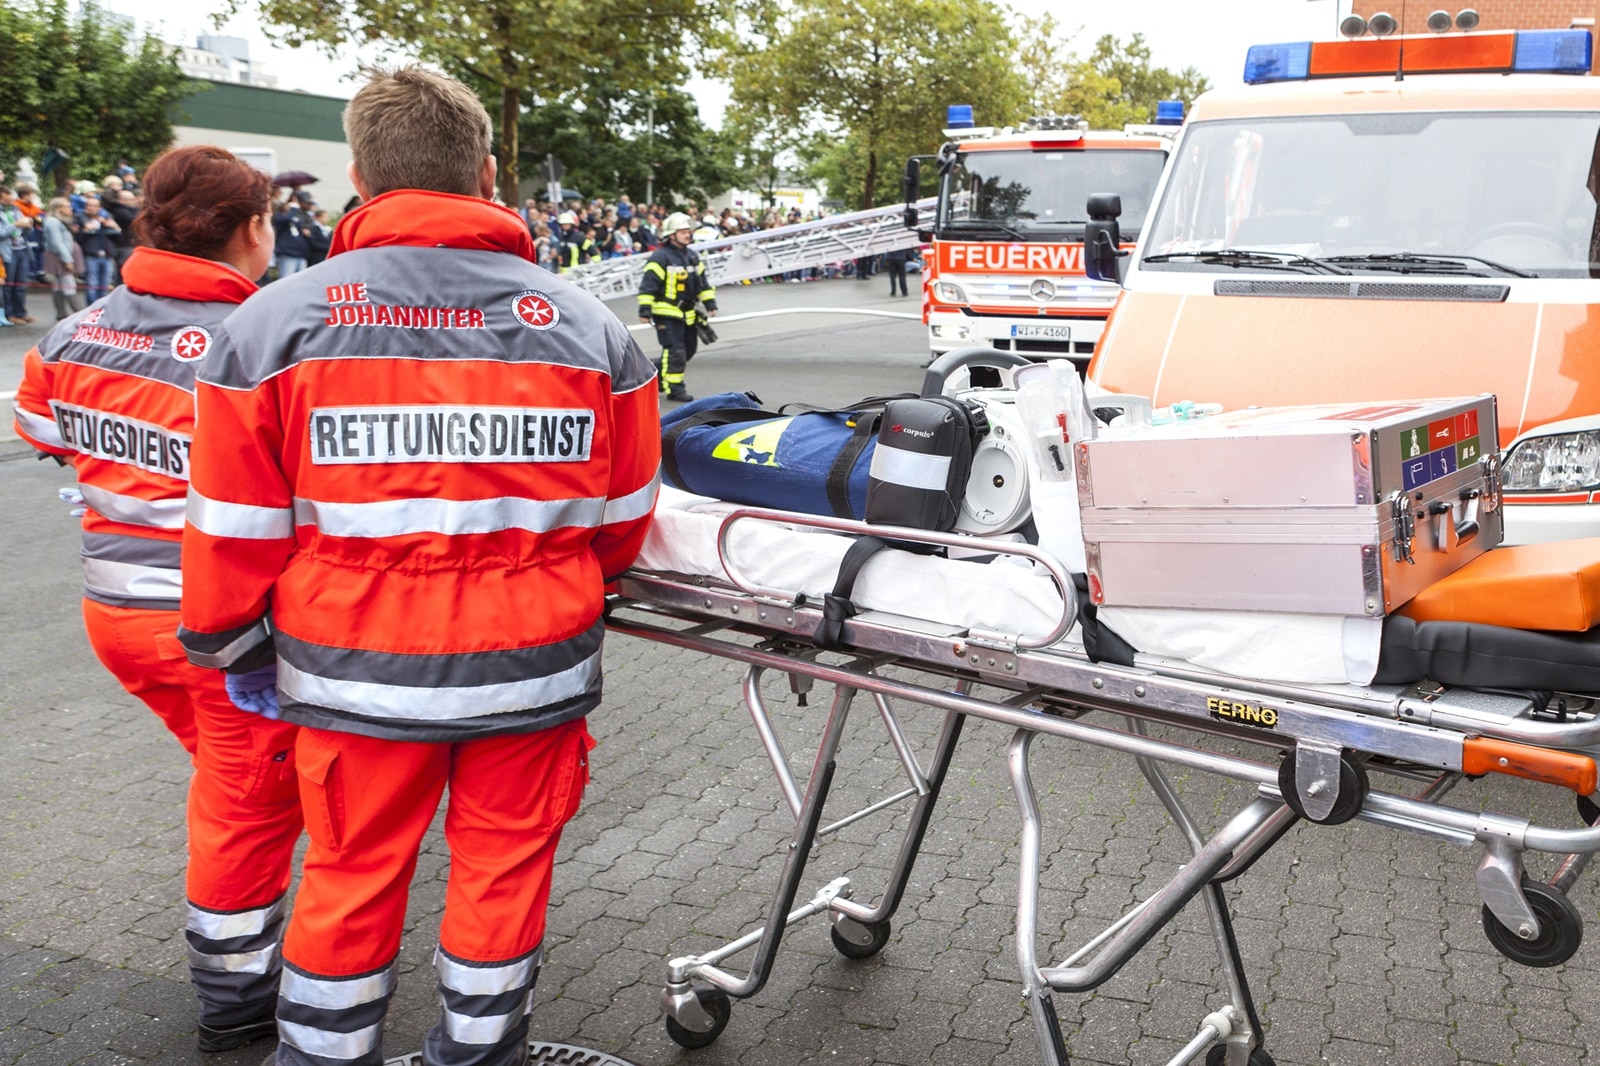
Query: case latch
[{"x": 1405, "y": 527}]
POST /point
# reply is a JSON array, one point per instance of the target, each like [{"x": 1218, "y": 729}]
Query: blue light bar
[
  {"x": 958, "y": 117},
  {"x": 1169, "y": 113},
  {"x": 1277, "y": 62},
  {"x": 1553, "y": 52}
]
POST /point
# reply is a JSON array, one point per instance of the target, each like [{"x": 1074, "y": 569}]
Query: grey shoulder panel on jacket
[
  {"x": 416, "y": 303},
  {"x": 158, "y": 338}
]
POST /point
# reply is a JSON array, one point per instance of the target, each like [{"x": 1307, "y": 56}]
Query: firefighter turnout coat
[
  {"x": 674, "y": 280},
  {"x": 417, "y": 465},
  {"x": 111, "y": 390}
]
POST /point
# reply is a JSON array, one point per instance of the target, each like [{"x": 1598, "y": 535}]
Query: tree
[
  {"x": 79, "y": 85},
  {"x": 607, "y": 148},
  {"x": 1116, "y": 84},
  {"x": 874, "y": 76},
  {"x": 512, "y": 51}
]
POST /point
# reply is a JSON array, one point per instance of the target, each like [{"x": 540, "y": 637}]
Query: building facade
[
  {"x": 275, "y": 131},
  {"x": 1493, "y": 14}
]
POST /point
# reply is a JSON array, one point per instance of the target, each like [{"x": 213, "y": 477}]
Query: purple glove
[{"x": 255, "y": 691}]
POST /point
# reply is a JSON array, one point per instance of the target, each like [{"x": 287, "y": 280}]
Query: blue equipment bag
[{"x": 815, "y": 462}]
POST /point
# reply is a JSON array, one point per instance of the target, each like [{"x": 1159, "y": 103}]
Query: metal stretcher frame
[{"x": 1333, "y": 737}]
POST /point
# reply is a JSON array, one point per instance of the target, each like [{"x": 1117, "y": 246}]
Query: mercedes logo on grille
[{"x": 1042, "y": 289}]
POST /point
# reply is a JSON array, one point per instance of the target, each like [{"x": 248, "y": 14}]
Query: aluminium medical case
[{"x": 1331, "y": 509}]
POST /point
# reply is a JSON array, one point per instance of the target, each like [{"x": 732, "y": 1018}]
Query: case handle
[
  {"x": 948, "y": 363},
  {"x": 1449, "y": 533}
]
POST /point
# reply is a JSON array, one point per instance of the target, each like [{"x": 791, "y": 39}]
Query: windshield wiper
[
  {"x": 1412, "y": 263},
  {"x": 1241, "y": 257},
  {"x": 983, "y": 223}
]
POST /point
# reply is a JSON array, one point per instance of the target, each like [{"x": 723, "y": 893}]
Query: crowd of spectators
[
  {"x": 83, "y": 236},
  {"x": 76, "y": 244}
]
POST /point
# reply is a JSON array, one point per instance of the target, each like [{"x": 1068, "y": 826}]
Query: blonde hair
[{"x": 410, "y": 128}]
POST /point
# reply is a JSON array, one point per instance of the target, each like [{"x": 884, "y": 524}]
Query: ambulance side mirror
[
  {"x": 912, "y": 187},
  {"x": 1103, "y": 257}
]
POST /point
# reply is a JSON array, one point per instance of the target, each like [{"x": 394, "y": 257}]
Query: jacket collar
[
  {"x": 183, "y": 277},
  {"x": 416, "y": 218}
]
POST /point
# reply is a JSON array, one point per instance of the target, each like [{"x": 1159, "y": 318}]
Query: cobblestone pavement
[{"x": 1364, "y": 943}]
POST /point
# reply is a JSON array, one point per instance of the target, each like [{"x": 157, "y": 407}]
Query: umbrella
[{"x": 293, "y": 179}]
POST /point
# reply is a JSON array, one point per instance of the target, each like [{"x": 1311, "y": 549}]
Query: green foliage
[
  {"x": 607, "y": 147},
  {"x": 1112, "y": 86},
  {"x": 80, "y": 85},
  {"x": 568, "y": 54},
  {"x": 874, "y": 77}
]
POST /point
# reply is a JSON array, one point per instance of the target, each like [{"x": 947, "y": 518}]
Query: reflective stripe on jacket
[
  {"x": 111, "y": 389},
  {"x": 674, "y": 280},
  {"x": 425, "y": 457}
]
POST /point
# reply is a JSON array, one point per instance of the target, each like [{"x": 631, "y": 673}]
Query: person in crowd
[
  {"x": 16, "y": 256},
  {"x": 644, "y": 238},
  {"x": 895, "y": 263},
  {"x": 207, "y": 229},
  {"x": 293, "y": 227},
  {"x": 422, "y": 651},
  {"x": 124, "y": 208},
  {"x": 321, "y": 236},
  {"x": 544, "y": 249},
  {"x": 96, "y": 233},
  {"x": 674, "y": 281},
  {"x": 61, "y": 257},
  {"x": 619, "y": 243},
  {"x": 575, "y": 246}
]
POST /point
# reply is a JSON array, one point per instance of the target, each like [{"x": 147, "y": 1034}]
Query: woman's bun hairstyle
[{"x": 196, "y": 198}]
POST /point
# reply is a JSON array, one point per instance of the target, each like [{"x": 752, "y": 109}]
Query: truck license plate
[{"x": 1059, "y": 333}]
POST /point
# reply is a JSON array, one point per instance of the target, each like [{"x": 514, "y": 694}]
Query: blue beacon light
[{"x": 958, "y": 117}]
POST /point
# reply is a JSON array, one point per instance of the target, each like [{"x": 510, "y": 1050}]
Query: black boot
[
  {"x": 234, "y": 1036},
  {"x": 679, "y": 394}
]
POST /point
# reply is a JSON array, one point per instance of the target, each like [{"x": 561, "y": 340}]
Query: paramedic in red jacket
[
  {"x": 416, "y": 466},
  {"x": 111, "y": 390}
]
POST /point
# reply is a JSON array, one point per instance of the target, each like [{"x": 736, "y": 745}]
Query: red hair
[{"x": 196, "y": 198}]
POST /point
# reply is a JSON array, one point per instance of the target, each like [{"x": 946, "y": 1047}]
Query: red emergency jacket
[
  {"x": 416, "y": 466},
  {"x": 111, "y": 389}
]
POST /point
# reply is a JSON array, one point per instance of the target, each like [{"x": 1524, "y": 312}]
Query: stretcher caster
[
  {"x": 706, "y": 1019},
  {"x": 857, "y": 940},
  {"x": 1560, "y": 929},
  {"x": 1218, "y": 1056},
  {"x": 1353, "y": 787}
]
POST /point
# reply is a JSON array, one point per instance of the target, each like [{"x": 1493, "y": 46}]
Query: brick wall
[{"x": 1494, "y": 14}]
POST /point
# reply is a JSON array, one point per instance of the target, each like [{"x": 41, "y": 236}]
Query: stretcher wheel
[
  {"x": 1353, "y": 787},
  {"x": 1560, "y": 929},
  {"x": 1588, "y": 810},
  {"x": 715, "y": 1003},
  {"x": 1218, "y": 1056},
  {"x": 851, "y": 950}
]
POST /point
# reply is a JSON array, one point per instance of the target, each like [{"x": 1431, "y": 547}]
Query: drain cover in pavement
[{"x": 540, "y": 1054}]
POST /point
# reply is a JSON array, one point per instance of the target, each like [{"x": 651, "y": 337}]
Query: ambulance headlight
[
  {"x": 1562, "y": 462},
  {"x": 948, "y": 292}
]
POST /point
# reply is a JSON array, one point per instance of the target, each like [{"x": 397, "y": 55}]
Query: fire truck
[{"x": 1005, "y": 268}]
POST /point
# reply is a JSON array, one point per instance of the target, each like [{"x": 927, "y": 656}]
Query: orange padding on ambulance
[
  {"x": 1528, "y": 586},
  {"x": 1480, "y": 755}
]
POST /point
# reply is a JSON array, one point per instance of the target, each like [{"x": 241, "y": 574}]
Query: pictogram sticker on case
[{"x": 1439, "y": 449}]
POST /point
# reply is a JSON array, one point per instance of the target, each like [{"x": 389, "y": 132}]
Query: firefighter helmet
[
  {"x": 567, "y": 218},
  {"x": 677, "y": 221}
]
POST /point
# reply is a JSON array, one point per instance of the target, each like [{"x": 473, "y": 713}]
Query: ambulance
[
  {"x": 1384, "y": 218},
  {"x": 1006, "y": 265}
]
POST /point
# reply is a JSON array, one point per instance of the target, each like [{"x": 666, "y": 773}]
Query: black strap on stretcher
[{"x": 836, "y": 605}]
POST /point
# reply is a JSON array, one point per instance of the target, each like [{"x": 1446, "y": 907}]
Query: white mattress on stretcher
[{"x": 1006, "y": 595}]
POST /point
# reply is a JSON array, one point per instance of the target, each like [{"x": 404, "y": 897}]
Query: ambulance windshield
[
  {"x": 1042, "y": 194},
  {"x": 1507, "y": 193}
]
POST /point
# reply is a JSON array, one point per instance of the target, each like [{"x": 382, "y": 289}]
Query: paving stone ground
[{"x": 1363, "y": 943}]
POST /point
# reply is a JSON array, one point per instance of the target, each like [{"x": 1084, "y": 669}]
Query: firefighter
[
  {"x": 575, "y": 246},
  {"x": 415, "y": 468},
  {"x": 674, "y": 281},
  {"x": 111, "y": 390}
]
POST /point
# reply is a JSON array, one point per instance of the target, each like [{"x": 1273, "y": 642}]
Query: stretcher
[{"x": 1320, "y": 746}]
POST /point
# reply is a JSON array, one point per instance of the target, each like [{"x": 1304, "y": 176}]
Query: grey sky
[{"x": 1211, "y": 36}]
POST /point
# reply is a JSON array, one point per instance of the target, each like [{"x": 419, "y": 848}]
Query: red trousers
[
  {"x": 368, "y": 803},
  {"x": 244, "y": 809}
]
